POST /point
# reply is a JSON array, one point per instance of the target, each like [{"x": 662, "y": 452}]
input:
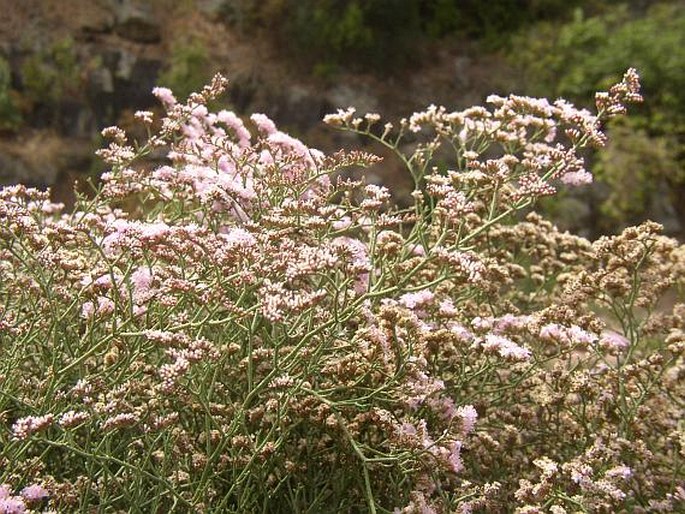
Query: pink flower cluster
[{"x": 28, "y": 498}]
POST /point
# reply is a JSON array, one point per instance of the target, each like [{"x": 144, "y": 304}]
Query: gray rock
[
  {"x": 462, "y": 65},
  {"x": 135, "y": 92},
  {"x": 213, "y": 8},
  {"x": 343, "y": 96},
  {"x": 125, "y": 65},
  {"x": 37, "y": 159},
  {"x": 96, "y": 17},
  {"x": 16, "y": 171},
  {"x": 135, "y": 21},
  {"x": 299, "y": 106},
  {"x": 101, "y": 80}
]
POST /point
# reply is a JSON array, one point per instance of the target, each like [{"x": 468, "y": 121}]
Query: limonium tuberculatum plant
[{"x": 243, "y": 330}]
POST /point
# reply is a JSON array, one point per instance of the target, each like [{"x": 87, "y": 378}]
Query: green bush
[
  {"x": 10, "y": 118},
  {"x": 634, "y": 164},
  {"x": 380, "y": 34},
  {"x": 578, "y": 57},
  {"x": 48, "y": 75},
  {"x": 572, "y": 60},
  {"x": 189, "y": 67},
  {"x": 492, "y": 21},
  {"x": 350, "y": 33}
]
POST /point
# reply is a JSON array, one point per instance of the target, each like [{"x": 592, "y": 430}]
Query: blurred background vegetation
[
  {"x": 646, "y": 155},
  {"x": 380, "y": 35},
  {"x": 551, "y": 48}
]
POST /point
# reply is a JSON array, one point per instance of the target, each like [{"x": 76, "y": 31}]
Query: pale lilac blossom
[
  {"x": 34, "y": 493},
  {"x": 455, "y": 457},
  {"x": 447, "y": 308},
  {"x": 469, "y": 416},
  {"x": 25, "y": 427},
  {"x": 264, "y": 124},
  {"x": 87, "y": 310},
  {"x": 613, "y": 340},
  {"x": 620, "y": 471},
  {"x": 577, "y": 178},
  {"x": 416, "y": 299},
  {"x": 12, "y": 505},
  {"x": 165, "y": 96},
  {"x": 142, "y": 279},
  {"x": 505, "y": 347}
]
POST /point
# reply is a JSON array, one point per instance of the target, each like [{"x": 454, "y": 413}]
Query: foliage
[
  {"x": 634, "y": 165},
  {"x": 574, "y": 59},
  {"x": 351, "y": 33},
  {"x": 10, "y": 117},
  {"x": 50, "y": 74},
  {"x": 493, "y": 21},
  {"x": 254, "y": 334},
  {"x": 188, "y": 68},
  {"x": 379, "y": 34}
]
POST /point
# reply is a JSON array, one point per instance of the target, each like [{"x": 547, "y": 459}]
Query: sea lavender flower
[
  {"x": 417, "y": 299},
  {"x": 34, "y": 493},
  {"x": 290, "y": 327},
  {"x": 468, "y": 415},
  {"x": 12, "y": 505},
  {"x": 613, "y": 340},
  {"x": 165, "y": 96},
  {"x": 505, "y": 347},
  {"x": 24, "y": 427},
  {"x": 264, "y": 124}
]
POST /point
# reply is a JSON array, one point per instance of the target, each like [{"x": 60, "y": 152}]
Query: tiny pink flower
[
  {"x": 480, "y": 323},
  {"x": 72, "y": 418},
  {"x": 34, "y": 493},
  {"x": 12, "y": 505},
  {"x": 462, "y": 333},
  {"x": 455, "y": 457},
  {"x": 577, "y": 178},
  {"x": 510, "y": 322},
  {"x": 468, "y": 415},
  {"x": 144, "y": 116},
  {"x": 553, "y": 332},
  {"x": 412, "y": 300},
  {"x": 264, "y": 124},
  {"x": 613, "y": 341},
  {"x": 342, "y": 223},
  {"x": 105, "y": 305},
  {"x": 139, "y": 310},
  {"x": 408, "y": 428},
  {"x": 505, "y": 347},
  {"x": 620, "y": 471},
  {"x": 87, "y": 310},
  {"x": 447, "y": 308},
  {"x": 581, "y": 337},
  {"x": 234, "y": 123},
  {"x": 165, "y": 96},
  {"x": 418, "y": 250},
  {"x": 28, "y": 425},
  {"x": 142, "y": 280},
  {"x": 239, "y": 237}
]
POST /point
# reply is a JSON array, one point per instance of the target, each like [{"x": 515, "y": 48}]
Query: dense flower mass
[{"x": 242, "y": 329}]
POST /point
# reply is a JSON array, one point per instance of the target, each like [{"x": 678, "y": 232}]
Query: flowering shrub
[{"x": 242, "y": 330}]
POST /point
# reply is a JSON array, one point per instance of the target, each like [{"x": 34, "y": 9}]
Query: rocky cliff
[{"x": 76, "y": 66}]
